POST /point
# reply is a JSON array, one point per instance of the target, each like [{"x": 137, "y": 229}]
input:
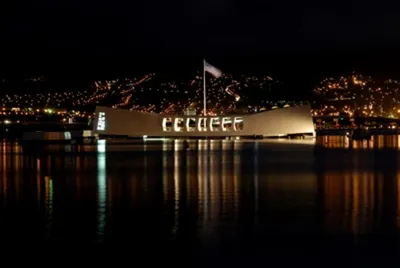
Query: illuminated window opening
[
  {"x": 190, "y": 124},
  {"x": 215, "y": 124},
  {"x": 238, "y": 123},
  {"x": 179, "y": 125},
  {"x": 227, "y": 124},
  {"x": 202, "y": 124},
  {"x": 101, "y": 121},
  {"x": 167, "y": 124}
]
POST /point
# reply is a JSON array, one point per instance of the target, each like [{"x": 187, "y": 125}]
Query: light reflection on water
[
  {"x": 214, "y": 195},
  {"x": 101, "y": 189},
  {"x": 376, "y": 142}
]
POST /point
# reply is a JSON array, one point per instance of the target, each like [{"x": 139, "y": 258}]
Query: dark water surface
[{"x": 219, "y": 198}]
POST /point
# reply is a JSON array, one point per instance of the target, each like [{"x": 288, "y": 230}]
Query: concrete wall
[{"x": 284, "y": 121}]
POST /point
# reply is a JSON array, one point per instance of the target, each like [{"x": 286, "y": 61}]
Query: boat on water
[{"x": 359, "y": 134}]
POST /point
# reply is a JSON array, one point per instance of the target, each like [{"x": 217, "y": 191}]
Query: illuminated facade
[{"x": 277, "y": 122}]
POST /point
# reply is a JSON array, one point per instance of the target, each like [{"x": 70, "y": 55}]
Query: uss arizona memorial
[{"x": 274, "y": 123}]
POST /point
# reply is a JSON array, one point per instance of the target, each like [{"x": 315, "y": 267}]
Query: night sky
[{"x": 298, "y": 41}]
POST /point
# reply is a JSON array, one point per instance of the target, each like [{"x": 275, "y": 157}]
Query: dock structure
[{"x": 57, "y": 136}]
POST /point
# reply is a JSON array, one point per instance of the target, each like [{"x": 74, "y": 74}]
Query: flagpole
[{"x": 204, "y": 87}]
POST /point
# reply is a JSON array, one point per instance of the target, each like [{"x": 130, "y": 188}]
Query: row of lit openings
[{"x": 203, "y": 124}]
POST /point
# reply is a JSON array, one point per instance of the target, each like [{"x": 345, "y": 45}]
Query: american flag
[{"x": 212, "y": 70}]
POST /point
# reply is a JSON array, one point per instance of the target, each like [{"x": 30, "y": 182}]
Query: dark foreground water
[{"x": 238, "y": 201}]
